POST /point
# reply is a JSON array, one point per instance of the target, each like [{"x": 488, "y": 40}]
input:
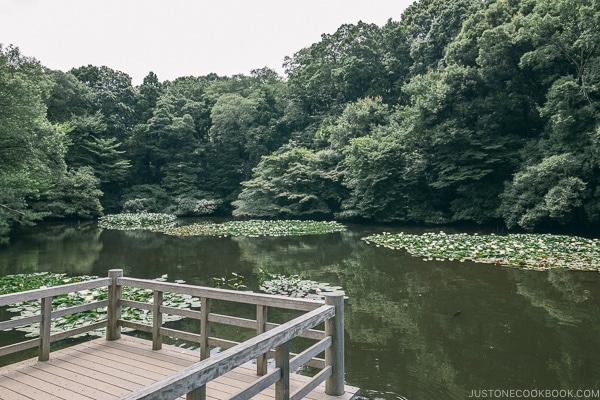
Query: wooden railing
[
  {"x": 271, "y": 339},
  {"x": 46, "y": 315}
]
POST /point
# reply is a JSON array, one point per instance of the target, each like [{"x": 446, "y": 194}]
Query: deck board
[{"x": 101, "y": 369}]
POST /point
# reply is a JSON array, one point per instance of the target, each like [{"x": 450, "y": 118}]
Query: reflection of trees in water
[
  {"x": 194, "y": 259},
  {"x": 66, "y": 248},
  {"x": 556, "y": 292},
  {"x": 571, "y": 309}
]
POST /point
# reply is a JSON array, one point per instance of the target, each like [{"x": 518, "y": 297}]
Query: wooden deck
[{"x": 101, "y": 369}]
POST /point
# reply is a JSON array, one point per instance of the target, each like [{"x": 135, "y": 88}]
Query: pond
[{"x": 405, "y": 339}]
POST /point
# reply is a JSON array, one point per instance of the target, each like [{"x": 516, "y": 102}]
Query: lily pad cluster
[
  {"x": 131, "y": 221},
  {"x": 528, "y": 251},
  {"x": 256, "y": 228},
  {"x": 21, "y": 282},
  {"x": 294, "y": 286}
]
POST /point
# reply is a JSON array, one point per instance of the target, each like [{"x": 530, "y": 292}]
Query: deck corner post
[
  {"x": 115, "y": 291},
  {"x": 334, "y": 355},
  {"x": 46, "y": 312}
]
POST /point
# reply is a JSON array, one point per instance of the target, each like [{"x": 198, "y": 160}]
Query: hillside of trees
[{"x": 459, "y": 111}]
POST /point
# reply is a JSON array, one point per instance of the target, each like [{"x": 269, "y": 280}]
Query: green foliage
[
  {"x": 75, "y": 194},
  {"x": 257, "y": 228},
  {"x": 143, "y": 220},
  {"x": 294, "y": 183},
  {"x": 548, "y": 191},
  {"x": 538, "y": 252}
]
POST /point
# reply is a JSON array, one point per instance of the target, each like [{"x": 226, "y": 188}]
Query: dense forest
[{"x": 459, "y": 111}]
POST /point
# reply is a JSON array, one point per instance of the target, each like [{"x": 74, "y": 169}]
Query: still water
[{"x": 517, "y": 330}]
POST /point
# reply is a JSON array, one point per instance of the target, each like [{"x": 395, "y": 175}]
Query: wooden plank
[
  {"x": 42, "y": 385},
  {"x": 13, "y": 323},
  {"x": 133, "y": 360},
  {"x": 190, "y": 337},
  {"x": 77, "y": 331},
  {"x": 135, "y": 325},
  {"x": 99, "y": 374},
  {"x": 50, "y": 378},
  {"x": 192, "y": 314},
  {"x": 77, "y": 309},
  {"x": 135, "y": 304},
  {"x": 309, "y": 353},
  {"x": 13, "y": 348},
  {"x": 7, "y": 394},
  {"x": 258, "y": 386},
  {"x": 309, "y": 334},
  {"x": 36, "y": 294},
  {"x": 311, "y": 385},
  {"x": 32, "y": 392},
  {"x": 125, "y": 378},
  {"x": 64, "y": 370},
  {"x": 233, "y": 321}
]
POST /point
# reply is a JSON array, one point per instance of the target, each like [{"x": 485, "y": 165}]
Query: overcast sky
[{"x": 175, "y": 38}]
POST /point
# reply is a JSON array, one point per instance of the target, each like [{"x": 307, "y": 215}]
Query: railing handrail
[
  {"x": 36, "y": 294},
  {"x": 223, "y": 294},
  {"x": 199, "y": 374}
]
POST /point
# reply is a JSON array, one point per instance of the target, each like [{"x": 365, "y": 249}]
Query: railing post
[
  {"x": 157, "y": 320},
  {"x": 334, "y": 355},
  {"x": 197, "y": 394},
  {"x": 204, "y": 328},
  {"x": 46, "y": 312},
  {"x": 282, "y": 361},
  {"x": 261, "y": 327},
  {"x": 113, "y": 330}
]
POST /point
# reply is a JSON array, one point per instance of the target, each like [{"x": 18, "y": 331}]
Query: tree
[
  {"x": 31, "y": 149},
  {"x": 294, "y": 183},
  {"x": 75, "y": 195},
  {"x": 340, "y": 69},
  {"x": 545, "y": 192}
]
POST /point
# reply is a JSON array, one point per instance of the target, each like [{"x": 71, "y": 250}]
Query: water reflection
[{"x": 516, "y": 330}]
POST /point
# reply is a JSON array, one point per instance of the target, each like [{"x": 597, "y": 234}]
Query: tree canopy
[{"x": 454, "y": 111}]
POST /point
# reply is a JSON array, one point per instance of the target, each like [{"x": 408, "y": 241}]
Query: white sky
[{"x": 176, "y": 38}]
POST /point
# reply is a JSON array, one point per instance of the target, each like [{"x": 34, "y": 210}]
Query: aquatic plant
[
  {"x": 538, "y": 252},
  {"x": 21, "y": 282},
  {"x": 255, "y": 228},
  {"x": 131, "y": 221},
  {"x": 294, "y": 286}
]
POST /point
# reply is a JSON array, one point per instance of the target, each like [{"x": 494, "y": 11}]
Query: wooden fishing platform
[{"x": 125, "y": 367}]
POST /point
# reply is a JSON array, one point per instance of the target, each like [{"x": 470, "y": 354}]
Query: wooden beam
[
  {"x": 115, "y": 292},
  {"x": 334, "y": 355},
  {"x": 45, "y": 324}
]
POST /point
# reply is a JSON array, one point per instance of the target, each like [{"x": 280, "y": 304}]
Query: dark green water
[{"x": 517, "y": 330}]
